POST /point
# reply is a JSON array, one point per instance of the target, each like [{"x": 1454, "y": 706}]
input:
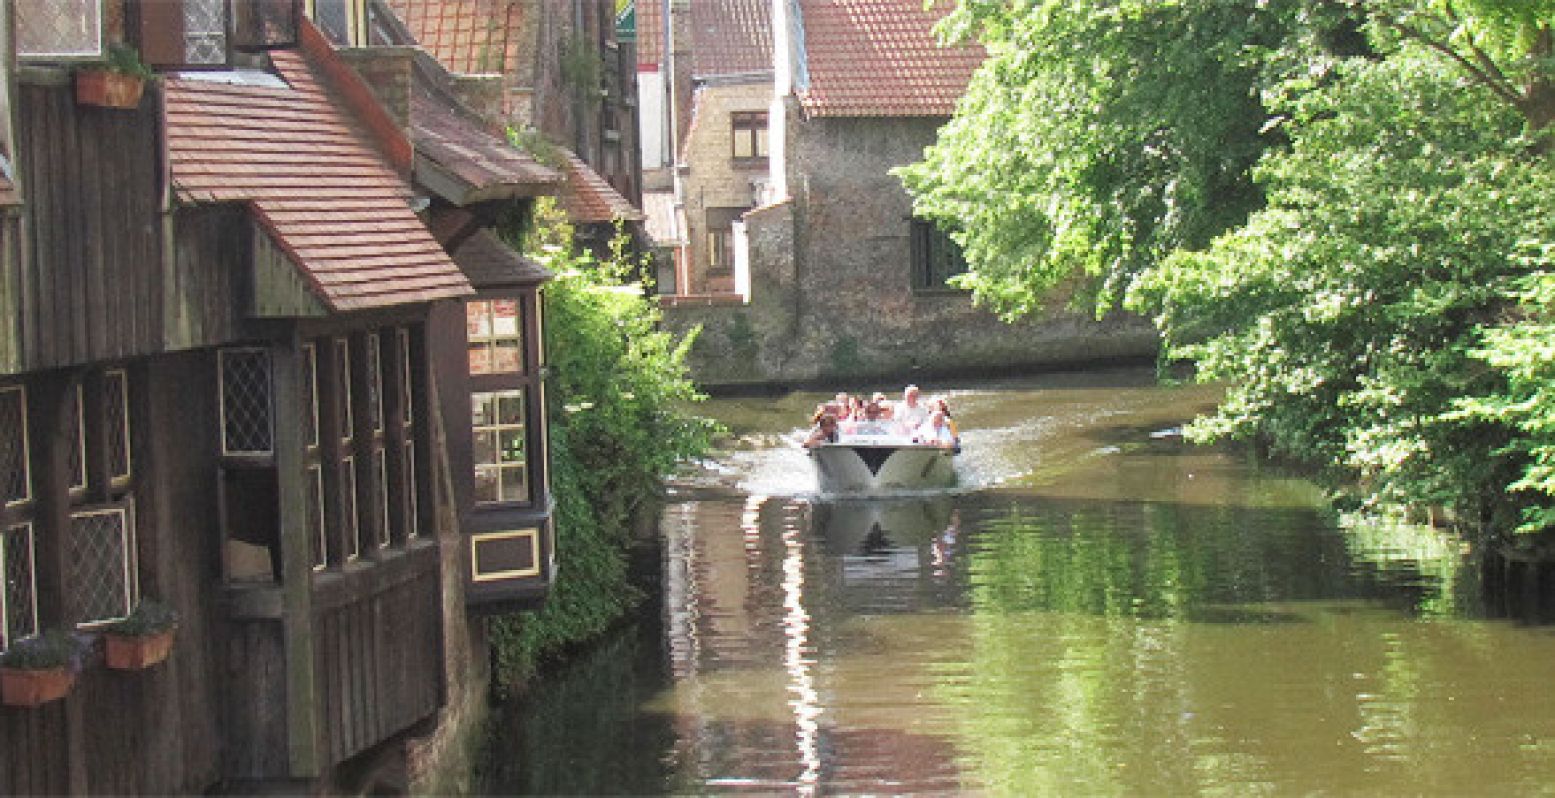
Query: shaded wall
[{"x": 832, "y": 297}]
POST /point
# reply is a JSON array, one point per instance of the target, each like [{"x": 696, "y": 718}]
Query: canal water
[{"x": 1100, "y": 609}]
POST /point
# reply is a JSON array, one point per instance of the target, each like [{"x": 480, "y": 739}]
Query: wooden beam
[{"x": 303, "y": 726}]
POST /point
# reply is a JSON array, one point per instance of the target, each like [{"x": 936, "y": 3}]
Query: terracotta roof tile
[
  {"x": 588, "y": 199},
  {"x": 731, "y": 37},
  {"x": 467, "y": 36},
  {"x": 485, "y": 163},
  {"x": 313, "y": 180},
  {"x": 880, "y": 58}
]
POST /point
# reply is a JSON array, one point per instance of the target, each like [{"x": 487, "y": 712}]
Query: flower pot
[
  {"x": 31, "y": 688},
  {"x": 133, "y": 653},
  {"x": 108, "y": 89}
]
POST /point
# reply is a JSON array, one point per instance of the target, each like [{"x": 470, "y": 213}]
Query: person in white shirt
[
  {"x": 909, "y": 414},
  {"x": 936, "y": 431}
]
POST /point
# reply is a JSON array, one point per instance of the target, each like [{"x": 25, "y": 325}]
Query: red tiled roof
[
  {"x": 467, "y": 36},
  {"x": 481, "y": 164},
  {"x": 731, "y": 37},
  {"x": 315, "y": 183},
  {"x": 650, "y": 33},
  {"x": 880, "y": 58},
  {"x": 588, "y": 199}
]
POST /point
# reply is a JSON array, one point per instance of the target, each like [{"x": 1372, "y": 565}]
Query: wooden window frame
[
  {"x": 222, "y": 376},
  {"x": 522, "y": 383},
  {"x": 128, "y": 562},
  {"x": 24, "y": 462},
  {"x": 749, "y": 128},
  {"x": 125, "y": 432},
  {"x": 7, "y": 533}
]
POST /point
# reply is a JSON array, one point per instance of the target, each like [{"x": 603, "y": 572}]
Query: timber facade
[{"x": 252, "y": 368}]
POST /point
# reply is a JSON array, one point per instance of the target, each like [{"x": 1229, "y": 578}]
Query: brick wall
[{"x": 714, "y": 180}]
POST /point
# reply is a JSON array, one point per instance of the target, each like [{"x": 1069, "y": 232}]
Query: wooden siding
[
  {"x": 90, "y": 284},
  {"x": 378, "y": 649},
  {"x": 202, "y": 293}
]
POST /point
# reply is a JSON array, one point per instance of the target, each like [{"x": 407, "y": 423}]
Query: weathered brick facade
[{"x": 715, "y": 181}]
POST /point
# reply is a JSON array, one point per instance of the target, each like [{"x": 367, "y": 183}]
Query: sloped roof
[
  {"x": 489, "y": 262},
  {"x": 880, "y": 58},
  {"x": 731, "y": 37},
  {"x": 467, "y": 36},
  {"x": 463, "y": 161},
  {"x": 324, "y": 194},
  {"x": 588, "y": 199}
]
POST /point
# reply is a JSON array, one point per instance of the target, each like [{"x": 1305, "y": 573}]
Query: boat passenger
[
  {"x": 910, "y": 413},
  {"x": 884, "y": 404},
  {"x": 872, "y": 424},
  {"x": 936, "y": 431},
  {"x": 944, "y": 407},
  {"x": 825, "y": 431}
]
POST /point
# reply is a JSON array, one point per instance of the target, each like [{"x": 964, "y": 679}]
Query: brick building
[{"x": 845, "y": 283}]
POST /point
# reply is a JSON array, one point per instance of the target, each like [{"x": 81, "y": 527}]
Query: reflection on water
[{"x": 1110, "y": 612}]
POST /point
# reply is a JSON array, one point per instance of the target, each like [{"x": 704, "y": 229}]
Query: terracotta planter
[
  {"x": 31, "y": 688},
  {"x": 108, "y": 89},
  {"x": 127, "y": 653}
]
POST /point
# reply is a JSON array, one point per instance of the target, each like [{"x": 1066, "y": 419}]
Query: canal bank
[{"x": 1102, "y": 609}]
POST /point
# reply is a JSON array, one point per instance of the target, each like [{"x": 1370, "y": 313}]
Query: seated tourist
[
  {"x": 825, "y": 431},
  {"x": 936, "y": 431},
  {"x": 910, "y": 413},
  {"x": 873, "y": 423}
]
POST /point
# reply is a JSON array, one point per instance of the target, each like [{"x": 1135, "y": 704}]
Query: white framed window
[
  {"x": 413, "y": 525},
  {"x": 381, "y": 499},
  {"x": 348, "y": 508},
  {"x": 343, "y": 384},
  {"x": 501, "y": 446},
  {"x": 495, "y": 332},
  {"x": 59, "y": 29},
  {"x": 19, "y": 590},
  {"x": 205, "y": 32},
  {"x": 15, "y": 451},
  {"x": 246, "y": 426},
  {"x": 116, "y": 401},
  {"x": 315, "y": 511},
  {"x": 374, "y": 382},
  {"x": 310, "y": 394},
  {"x": 408, "y": 397},
  {"x": 76, "y": 412},
  {"x": 103, "y": 578}
]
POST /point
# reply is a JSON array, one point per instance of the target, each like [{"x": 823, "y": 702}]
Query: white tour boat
[{"x": 881, "y": 465}]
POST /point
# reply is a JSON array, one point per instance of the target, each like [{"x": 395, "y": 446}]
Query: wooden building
[{"x": 219, "y": 310}]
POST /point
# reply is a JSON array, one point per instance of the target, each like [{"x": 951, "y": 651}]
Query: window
[
  {"x": 343, "y": 394},
  {"x": 374, "y": 383},
  {"x": 15, "y": 474},
  {"x": 76, "y": 412},
  {"x": 411, "y": 527},
  {"x": 340, "y": 20},
  {"x": 495, "y": 337},
  {"x": 59, "y": 29},
  {"x": 501, "y": 448},
  {"x": 116, "y": 411},
  {"x": 264, "y": 24},
  {"x": 314, "y": 507},
  {"x": 750, "y": 135},
  {"x": 205, "y": 32},
  {"x": 102, "y": 564},
  {"x": 313, "y": 503},
  {"x": 245, "y": 402},
  {"x": 936, "y": 257},
  {"x": 348, "y": 506},
  {"x": 18, "y": 592},
  {"x": 720, "y": 238}
]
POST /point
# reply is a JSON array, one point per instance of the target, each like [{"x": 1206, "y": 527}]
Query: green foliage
[
  {"x": 52, "y": 649},
  {"x": 148, "y": 618},
  {"x": 125, "y": 60},
  {"x": 1340, "y": 208},
  {"x": 1345, "y": 315},
  {"x": 1097, "y": 139},
  {"x": 618, "y": 393}
]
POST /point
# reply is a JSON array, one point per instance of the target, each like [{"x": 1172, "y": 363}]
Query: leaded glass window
[
  {"x": 374, "y": 382},
  {"x": 15, "y": 474},
  {"x": 18, "y": 593},
  {"x": 205, "y": 31},
  {"x": 116, "y": 400},
  {"x": 102, "y": 564},
  {"x": 245, "y": 402},
  {"x": 75, "y": 413},
  {"x": 59, "y": 29},
  {"x": 314, "y": 507},
  {"x": 348, "y": 507}
]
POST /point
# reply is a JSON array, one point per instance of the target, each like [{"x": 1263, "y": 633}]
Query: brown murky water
[{"x": 1100, "y": 610}]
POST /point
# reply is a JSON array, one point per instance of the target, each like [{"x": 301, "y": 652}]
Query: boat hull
[{"x": 874, "y": 470}]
